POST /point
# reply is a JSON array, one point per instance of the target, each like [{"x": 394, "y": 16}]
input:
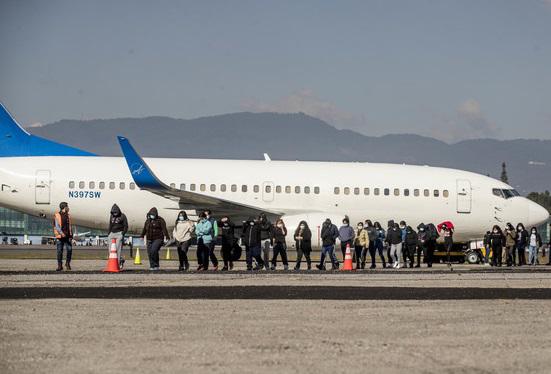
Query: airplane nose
[{"x": 537, "y": 214}]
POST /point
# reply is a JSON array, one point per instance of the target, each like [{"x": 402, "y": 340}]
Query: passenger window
[
  {"x": 356, "y": 190},
  {"x": 244, "y": 188},
  {"x": 192, "y": 187},
  {"x": 306, "y": 189},
  {"x": 182, "y": 186},
  {"x": 71, "y": 184},
  {"x": 203, "y": 187},
  {"x": 436, "y": 193},
  {"x": 212, "y": 188},
  {"x": 278, "y": 189},
  {"x": 406, "y": 192},
  {"x": 81, "y": 185},
  {"x": 121, "y": 185},
  {"x": 268, "y": 188},
  {"x": 376, "y": 191},
  {"x": 92, "y": 185},
  {"x": 347, "y": 190},
  {"x": 111, "y": 185},
  {"x": 297, "y": 189},
  {"x": 445, "y": 193},
  {"x": 287, "y": 189},
  {"x": 387, "y": 191},
  {"x": 256, "y": 188},
  {"x": 316, "y": 190},
  {"x": 366, "y": 191},
  {"x": 396, "y": 192},
  {"x": 132, "y": 185},
  {"x": 223, "y": 188},
  {"x": 416, "y": 192},
  {"x": 426, "y": 193},
  {"x": 337, "y": 190},
  {"x": 234, "y": 188},
  {"x": 101, "y": 185}
]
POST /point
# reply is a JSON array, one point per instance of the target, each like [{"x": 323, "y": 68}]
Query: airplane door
[
  {"x": 464, "y": 196},
  {"x": 42, "y": 187},
  {"x": 268, "y": 191}
]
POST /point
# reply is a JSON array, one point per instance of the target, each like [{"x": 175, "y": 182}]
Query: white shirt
[{"x": 533, "y": 240}]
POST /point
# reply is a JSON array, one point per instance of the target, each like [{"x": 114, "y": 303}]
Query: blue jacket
[
  {"x": 203, "y": 230},
  {"x": 404, "y": 233},
  {"x": 346, "y": 233}
]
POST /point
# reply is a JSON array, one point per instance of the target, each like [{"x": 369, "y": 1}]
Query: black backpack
[{"x": 432, "y": 232}]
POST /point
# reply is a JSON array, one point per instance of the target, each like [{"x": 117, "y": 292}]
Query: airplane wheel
[{"x": 472, "y": 258}]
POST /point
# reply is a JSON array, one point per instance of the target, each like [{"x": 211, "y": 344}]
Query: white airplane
[{"x": 37, "y": 174}]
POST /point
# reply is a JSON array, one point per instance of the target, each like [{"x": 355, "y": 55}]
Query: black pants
[
  {"x": 497, "y": 253},
  {"x": 203, "y": 251},
  {"x": 64, "y": 242},
  {"x": 390, "y": 259},
  {"x": 521, "y": 255},
  {"x": 343, "y": 247},
  {"x": 373, "y": 249},
  {"x": 431, "y": 246},
  {"x": 306, "y": 253},
  {"x": 370, "y": 248},
  {"x": 448, "y": 244},
  {"x": 212, "y": 255},
  {"x": 510, "y": 250},
  {"x": 182, "y": 253},
  {"x": 410, "y": 254},
  {"x": 358, "y": 249},
  {"x": 153, "y": 248},
  {"x": 421, "y": 249},
  {"x": 254, "y": 252},
  {"x": 226, "y": 253},
  {"x": 280, "y": 249}
]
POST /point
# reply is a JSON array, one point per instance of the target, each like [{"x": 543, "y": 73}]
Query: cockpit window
[{"x": 505, "y": 193}]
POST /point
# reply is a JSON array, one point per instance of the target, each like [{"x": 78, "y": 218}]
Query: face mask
[
  {"x": 181, "y": 218},
  {"x": 226, "y": 224},
  {"x": 152, "y": 216},
  {"x": 302, "y": 227},
  {"x": 495, "y": 231},
  {"x": 360, "y": 227},
  {"x": 533, "y": 231},
  {"x": 421, "y": 229},
  {"x": 252, "y": 223},
  {"x": 280, "y": 225},
  {"x": 345, "y": 224},
  {"x": 402, "y": 227}
]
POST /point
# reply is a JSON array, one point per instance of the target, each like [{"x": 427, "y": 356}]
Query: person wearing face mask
[
  {"x": 411, "y": 245},
  {"x": 403, "y": 228},
  {"x": 361, "y": 242},
  {"x": 251, "y": 239},
  {"x": 487, "y": 246},
  {"x": 371, "y": 237},
  {"x": 394, "y": 239},
  {"x": 63, "y": 233},
  {"x": 534, "y": 242},
  {"x": 279, "y": 232},
  {"x": 497, "y": 242},
  {"x": 227, "y": 230},
  {"x": 379, "y": 245},
  {"x": 346, "y": 235},
  {"x": 184, "y": 229},
  {"x": 266, "y": 228},
  {"x": 448, "y": 241},
  {"x": 522, "y": 243},
  {"x": 203, "y": 231},
  {"x": 329, "y": 234},
  {"x": 118, "y": 226},
  {"x": 422, "y": 241},
  {"x": 303, "y": 243},
  {"x": 214, "y": 235},
  {"x": 390, "y": 226},
  {"x": 510, "y": 241},
  {"x": 155, "y": 232}
]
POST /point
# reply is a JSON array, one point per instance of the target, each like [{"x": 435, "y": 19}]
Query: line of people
[{"x": 510, "y": 246}]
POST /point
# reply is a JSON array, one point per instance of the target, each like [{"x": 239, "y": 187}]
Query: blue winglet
[{"x": 141, "y": 173}]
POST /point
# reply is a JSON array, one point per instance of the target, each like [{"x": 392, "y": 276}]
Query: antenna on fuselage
[{"x": 267, "y": 157}]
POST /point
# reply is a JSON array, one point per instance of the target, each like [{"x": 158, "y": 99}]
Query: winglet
[{"x": 141, "y": 173}]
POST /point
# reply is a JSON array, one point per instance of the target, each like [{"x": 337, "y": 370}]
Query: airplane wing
[{"x": 145, "y": 179}]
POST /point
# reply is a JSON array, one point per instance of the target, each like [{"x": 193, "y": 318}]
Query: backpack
[{"x": 432, "y": 232}]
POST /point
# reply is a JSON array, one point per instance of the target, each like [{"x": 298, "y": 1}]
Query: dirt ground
[{"x": 212, "y": 333}]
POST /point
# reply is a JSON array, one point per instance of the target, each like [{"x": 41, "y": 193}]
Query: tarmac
[{"x": 472, "y": 319}]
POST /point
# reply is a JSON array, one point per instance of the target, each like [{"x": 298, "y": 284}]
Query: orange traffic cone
[
  {"x": 347, "y": 266},
  {"x": 113, "y": 260}
]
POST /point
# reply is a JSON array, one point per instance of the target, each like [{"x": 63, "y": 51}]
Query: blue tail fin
[{"x": 16, "y": 142}]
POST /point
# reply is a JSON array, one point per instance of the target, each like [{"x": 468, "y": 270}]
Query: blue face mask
[{"x": 181, "y": 218}]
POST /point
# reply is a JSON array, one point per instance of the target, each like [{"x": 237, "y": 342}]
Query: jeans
[
  {"x": 329, "y": 250},
  {"x": 119, "y": 239},
  {"x": 203, "y": 251},
  {"x": 396, "y": 252},
  {"x": 280, "y": 249},
  {"x": 182, "y": 253},
  {"x": 533, "y": 255},
  {"x": 254, "y": 252},
  {"x": 267, "y": 246},
  {"x": 377, "y": 247},
  {"x": 64, "y": 242},
  {"x": 212, "y": 255},
  {"x": 153, "y": 248}
]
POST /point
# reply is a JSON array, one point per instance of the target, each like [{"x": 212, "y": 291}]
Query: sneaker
[
  {"x": 372, "y": 267},
  {"x": 296, "y": 268},
  {"x": 68, "y": 266},
  {"x": 200, "y": 268},
  {"x": 59, "y": 267},
  {"x": 257, "y": 268},
  {"x": 285, "y": 267},
  {"x": 272, "y": 268},
  {"x": 417, "y": 266},
  {"x": 309, "y": 267},
  {"x": 398, "y": 266},
  {"x": 225, "y": 268},
  {"x": 215, "y": 268},
  {"x": 231, "y": 265},
  {"x": 320, "y": 267},
  {"x": 121, "y": 263}
]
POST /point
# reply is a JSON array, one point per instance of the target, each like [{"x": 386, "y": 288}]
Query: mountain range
[{"x": 298, "y": 136}]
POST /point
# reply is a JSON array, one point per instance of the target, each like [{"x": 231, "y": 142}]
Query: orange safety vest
[{"x": 57, "y": 218}]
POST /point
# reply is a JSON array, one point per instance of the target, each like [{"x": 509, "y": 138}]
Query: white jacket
[{"x": 183, "y": 230}]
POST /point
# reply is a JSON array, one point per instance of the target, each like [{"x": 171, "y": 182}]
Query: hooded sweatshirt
[
  {"x": 183, "y": 230},
  {"x": 117, "y": 221},
  {"x": 155, "y": 228}
]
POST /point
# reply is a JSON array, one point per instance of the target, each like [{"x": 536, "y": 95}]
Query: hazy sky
[{"x": 449, "y": 69}]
